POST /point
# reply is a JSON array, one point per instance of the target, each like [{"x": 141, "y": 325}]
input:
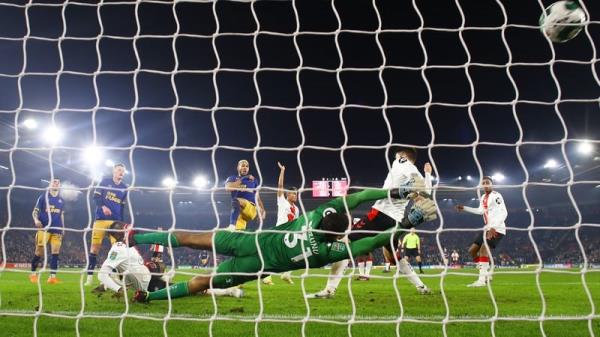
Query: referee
[{"x": 411, "y": 246}]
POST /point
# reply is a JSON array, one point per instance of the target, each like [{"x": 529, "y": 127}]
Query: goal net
[{"x": 180, "y": 91}]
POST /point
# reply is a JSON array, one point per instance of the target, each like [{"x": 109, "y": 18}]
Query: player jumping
[
  {"x": 243, "y": 197},
  {"x": 295, "y": 245},
  {"x": 287, "y": 210},
  {"x": 494, "y": 212},
  {"x": 384, "y": 214}
]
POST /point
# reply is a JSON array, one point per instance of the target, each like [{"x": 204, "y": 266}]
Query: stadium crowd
[{"x": 555, "y": 247}]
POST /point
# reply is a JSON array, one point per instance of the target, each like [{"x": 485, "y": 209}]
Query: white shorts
[{"x": 138, "y": 280}]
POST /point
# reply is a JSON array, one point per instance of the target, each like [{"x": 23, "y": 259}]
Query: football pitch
[{"x": 284, "y": 312}]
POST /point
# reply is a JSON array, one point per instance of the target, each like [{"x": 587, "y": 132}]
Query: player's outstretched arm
[
  {"x": 174, "y": 239},
  {"x": 428, "y": 178},
  {"x": 36, "y": 213},
  {"x": 472, "y": 210},
  {"x": 280, "y": 180},
  {"x": 422, "y": 210},
  {"x": 355, "y": 199}
]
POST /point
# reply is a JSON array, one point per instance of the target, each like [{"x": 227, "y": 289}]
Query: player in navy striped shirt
[
  {"x": 48, "y": 216},
  {"x": 110, "y": 197}
]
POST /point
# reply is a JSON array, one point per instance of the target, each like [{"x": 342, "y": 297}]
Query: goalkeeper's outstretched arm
[{"x": 423, "y": 210}]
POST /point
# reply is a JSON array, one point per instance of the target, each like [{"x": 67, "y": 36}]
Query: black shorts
[
  {"x": 491, "y": 243},
  {"x": 373, "y": 221},
  {"x": 411, "y": 252},
  {"x": 156, "y": 282}
]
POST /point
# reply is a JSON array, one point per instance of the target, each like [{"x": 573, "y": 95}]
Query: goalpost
[{"x": 69, "y": 28}]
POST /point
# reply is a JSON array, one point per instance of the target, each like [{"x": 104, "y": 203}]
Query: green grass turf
[{"x": 376, "y": 303}]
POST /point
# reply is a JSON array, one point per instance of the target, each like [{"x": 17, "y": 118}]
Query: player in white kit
[
  {"x": 287, "y": 210},
  {"x": 128, "y": 263},
  {"x": 493, "y": 209},
  {"x": 454, "y": 257},
  {"x": 384, "y": 214}
]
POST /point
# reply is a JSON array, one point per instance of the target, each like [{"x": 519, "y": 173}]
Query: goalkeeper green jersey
[{"x": 294, "y": 244}]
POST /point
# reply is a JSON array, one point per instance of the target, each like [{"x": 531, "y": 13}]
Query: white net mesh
[{"x": 175, "y": 89}]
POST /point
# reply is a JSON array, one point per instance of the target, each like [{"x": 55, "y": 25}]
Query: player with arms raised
[
  {"x": 243, "y": 197},
  {"x": 384, "y": 214},
  {"x": 110, "y": 197},
  {"x": 287, "y": 210},
  {"x": 493, "y": 209},
  {"x": 309, "y": 241},
  {"x": 49, "y": 217}
]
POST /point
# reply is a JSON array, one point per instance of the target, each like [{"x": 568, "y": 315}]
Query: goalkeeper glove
[
  {"x": 422, "y": 210},
  {"x": 414, "y": 187}
]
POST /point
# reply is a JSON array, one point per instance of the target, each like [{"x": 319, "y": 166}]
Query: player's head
[
  {"x": 243, "y": 167},
  {"x": 54, "y": 185},
  {"x": 292, "y": 194},
  {"x": 406, "y": 153},
  {"x": 118, "y": 172},
  {"x": 117, "y": 231},
  {"x": 336, "y": 223},
  {"x": 488, "y": 184},
  {"x": 413, "y": 231}
]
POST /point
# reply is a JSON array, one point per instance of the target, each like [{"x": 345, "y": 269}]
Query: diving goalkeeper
[{"x": 309, "y": 241}]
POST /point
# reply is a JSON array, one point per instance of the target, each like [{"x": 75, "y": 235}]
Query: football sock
[
  {"x": 368, "y": 266},
  {"x": 405, "y": 268},
  {"x": 177, "y": 290},
  {"x": 34, "y": 262},
  {"x": 335, "y": 275},
  {"x": 53, "y": 265},
  {"x": 484, "y": 265},
  {"x": 92, "y": 264}
]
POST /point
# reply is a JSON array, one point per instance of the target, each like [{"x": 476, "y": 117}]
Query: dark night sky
[{"x": 314, "y": 98}]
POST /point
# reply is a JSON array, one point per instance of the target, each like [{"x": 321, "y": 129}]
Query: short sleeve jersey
[
  {"x": 112, "y": 196},
  {"x": 248, "y": 185},
  {"x": 52, "y": 205}
]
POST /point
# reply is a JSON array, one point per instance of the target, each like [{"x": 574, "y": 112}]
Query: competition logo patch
[
  {"x": 498, "y": 201},
  {"x": 338, "y": 246},
  {"x": 113, "y": 255}
]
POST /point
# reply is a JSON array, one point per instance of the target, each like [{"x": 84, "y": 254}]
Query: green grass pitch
[{"x": 284, "y": 310}]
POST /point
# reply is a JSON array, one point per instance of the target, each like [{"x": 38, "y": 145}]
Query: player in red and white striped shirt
[
  {"x": 494, "y": 212},
  {"x": 287, "y": 210}
]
